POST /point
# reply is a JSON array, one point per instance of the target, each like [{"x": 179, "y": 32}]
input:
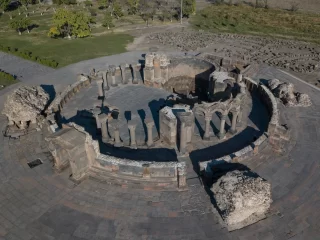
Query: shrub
[{"x": 28, "y": 55}]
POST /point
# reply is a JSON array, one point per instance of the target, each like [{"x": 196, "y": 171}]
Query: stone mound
[
  {"x": 285, "y": 92},
  {"x": 25, "y": 104},
  {"x": 242, "y": 198}
]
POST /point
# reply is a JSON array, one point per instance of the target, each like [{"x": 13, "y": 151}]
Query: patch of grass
[
  {"x": 63, "y": 51},
  {"x": 66, "y": 51},
  {"x": 248, "y": 20}
]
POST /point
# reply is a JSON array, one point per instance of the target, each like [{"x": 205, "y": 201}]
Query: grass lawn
[
  {"x": 244, "y": 19},
  {"x": 64, "y": 51},
  {"x": 5, "y": 82}
]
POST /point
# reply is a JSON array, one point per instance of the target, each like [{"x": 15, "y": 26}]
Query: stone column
[
  {"x": 222, "y": 126},
  {"x": 100, "y": 88},
  {"x": 132, "y": 128},
  {"x": 112, "y": 70},
  {"x": 183, "y": 138},
  {"x": 156, "y": 65},
  {"x": 239, "y": 118},
  {"x": 239, "y": 78},
  {"x": 96, "y": 113},
  {"x": 150, "y": 123},
  {"x": 117, "y": 142},
  {"x": 104, "y": 131},
  {"x": 207, "y": 119},
  {"x": 105, "y": 81},
  {"x": 233, "y": 129},
  {"x": 182, "y": 180},
  {"x": 123, "y": 67}
]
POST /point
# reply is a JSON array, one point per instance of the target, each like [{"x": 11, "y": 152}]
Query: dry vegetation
[{"x": 249, "y": 20}]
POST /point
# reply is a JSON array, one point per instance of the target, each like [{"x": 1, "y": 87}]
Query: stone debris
[
  {"x": 287, "y": 54},
  {"x": 242, "y": 198},
  {"x": 25, "y": 105},
  {"x": 285, "y": 92}
]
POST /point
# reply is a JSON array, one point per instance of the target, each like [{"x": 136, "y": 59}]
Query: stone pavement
[{"x": 40, "y": 204}]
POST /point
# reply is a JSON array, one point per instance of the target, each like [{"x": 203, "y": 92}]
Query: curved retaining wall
[
  {"x": 140, "y": 174},
  {"x": 269, "y": 100}
]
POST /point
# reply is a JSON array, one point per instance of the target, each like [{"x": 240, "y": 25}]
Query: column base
[
  {"x": 135, "y": 81},
  {"x": 133, "y": 145},
  {"x": 233, "y": 131},
  {"x": 114, "y": 85},
  {"x": 118, "y": 144},
  {"x": 221, "y": 135},
  {"x": 150, "y": 145},
  {"x": 105, "y": 140},
  {"x": 206, "y": 138}
]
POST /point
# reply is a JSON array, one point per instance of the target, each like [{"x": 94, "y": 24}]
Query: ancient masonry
[{"x": 220, "y": 85}]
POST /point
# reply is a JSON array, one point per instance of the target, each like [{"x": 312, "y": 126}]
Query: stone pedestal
[
  {"x": 132, "y": 129},
  {"x": 149, "y": 123},
  {"x": 186, "y": 122},
  {"x": 156, "y": 65}
]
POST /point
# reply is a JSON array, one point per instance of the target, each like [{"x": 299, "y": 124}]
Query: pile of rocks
[
  {"x": 25, "y": 105},
  {"x": 242, "y": 198},
  {"x": 285, "y": 92}
]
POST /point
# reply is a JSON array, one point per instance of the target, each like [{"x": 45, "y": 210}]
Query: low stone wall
[
  {"x": 63, "y": 97},
  {"x": 124, "y": 172}
]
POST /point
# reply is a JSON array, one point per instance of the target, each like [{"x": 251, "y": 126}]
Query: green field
[
  {"x": 5, "y": 82},
  {"x": 64, "y": 51},
  {"x": 244, "y": 19}
]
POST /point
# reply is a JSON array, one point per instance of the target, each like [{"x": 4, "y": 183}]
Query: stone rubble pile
[
  {"x": 242, "y": 198},
  {"x": 25, "y": 105},
  {"x": 285, "y": 92}
]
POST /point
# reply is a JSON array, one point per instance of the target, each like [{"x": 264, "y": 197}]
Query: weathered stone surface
[
  {"x": 285, "y": 92},
  {"x": 25, "y": 104},
  {"x": 242, "y": 198}
]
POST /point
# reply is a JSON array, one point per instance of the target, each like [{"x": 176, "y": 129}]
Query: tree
[
  {"x": 133, "y": 7},
  {"x": 188, "y": 7},
  {"x": 117, "y": 10},
  {"x": 4, "y": 4},
  {"x": 25, "y": 3},
  {"x": 20, "y": 24},
  {"x": 70, "y": 24},
  {"x": 107, "y": 21}
]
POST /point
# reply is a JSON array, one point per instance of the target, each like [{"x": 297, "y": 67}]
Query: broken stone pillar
[
  {"x": 156, "y": 65},
  {"x": 116, "y": 126},
  {"x": 112, "y": 70},
  {"x": 146, "y": 170},
  {"x": 222, "y": 131},
  {"x": 233, "y": 129},
  {"x": 164, "y": 68},
  {"x": 105, "y": 81},
  {"x": 100, "y": 88},
  {"x": 182, "y": 178},
  {"x": 149, "y": 123},
  {"x": 118, "y": 75},
  {"x": 132, "y": 128},
  {"x": 123, "y": 67},
  {"x": 149, "y": 70},
  {"x": 207, "y": 119},
  {"x": 186, "y": 125},
  {"x": 104, "y": 130},
  {"x": 128, "y": 74}
]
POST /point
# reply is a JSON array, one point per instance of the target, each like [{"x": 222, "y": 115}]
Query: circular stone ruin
[{"x": 145, "y": 124}]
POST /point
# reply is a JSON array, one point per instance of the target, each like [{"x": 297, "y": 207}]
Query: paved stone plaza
[{"x": 38, "y": 203}]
